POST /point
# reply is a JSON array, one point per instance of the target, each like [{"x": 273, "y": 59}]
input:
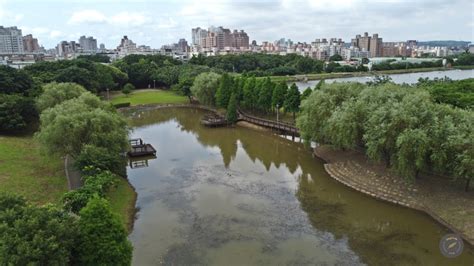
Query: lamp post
[
  {"x": 154, "y": 84},
  {"x": 278, "y": 110},
  {"x": 108, "y": 97}
]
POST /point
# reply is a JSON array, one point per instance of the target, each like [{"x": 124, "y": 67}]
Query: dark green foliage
[
  {"x": 292, "y": 100},
  {"x": 249, "y": 93},
  {"x": 102, "y": 239},
  {"x": 16, "y": 111},
  {"x": 336, "y": 57},
  {"x": 279, "y": 94},
  {"x": 231, "y": 114},
  {"x": 96, "y": 184},
  {"x": 121, "y": 105},
  {"x": 14, "y": 81},
  {"x": 101, "y": 158},
  {"x": 99, "y": 58},
  {"x": 465, "y": 59},
  {"x": 225, "y": 90},
  {"x": 91, "y": 75},
  {"x": 261, "y": 64},
  {"x": 319, "y": 85},
  {"x": 306, "y": 93},
  {"x": 459, "y": 93},
  {"x": 264, "y": 102},
  {"x": 128, "y": 88},
  {"x": 31, "y": 235}
]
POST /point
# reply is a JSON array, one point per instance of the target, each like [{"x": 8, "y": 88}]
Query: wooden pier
[
  {"x": 283, "y": 127},
  {"x": 139, "y": 148},
  {"x": 213, "y": 120}
]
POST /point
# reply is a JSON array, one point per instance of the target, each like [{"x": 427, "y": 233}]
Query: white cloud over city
[{"x": 160, "y": 22}]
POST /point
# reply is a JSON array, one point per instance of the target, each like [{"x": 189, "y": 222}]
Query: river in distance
[
  {"x": 238, "y": 196},
  {"x": 409, "y": 78}
]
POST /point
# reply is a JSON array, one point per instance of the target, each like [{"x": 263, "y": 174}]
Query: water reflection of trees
[
  {"x": 374, "y": 247},
  {"x": 260, "y": 146}
]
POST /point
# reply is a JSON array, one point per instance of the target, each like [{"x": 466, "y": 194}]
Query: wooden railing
[{"x": 287, "y": 127}]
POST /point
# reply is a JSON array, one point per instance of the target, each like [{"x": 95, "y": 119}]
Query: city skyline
[{"x": 301, "y": 21}]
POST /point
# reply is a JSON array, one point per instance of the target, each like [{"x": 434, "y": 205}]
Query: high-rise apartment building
[
  {"x": 88, "y": 44},
  {"x": 219, "y": 38},
  {"x": 366, "y": 43},
  {"x": 11, "y": 40},
  {"x": 30, "y": 44}
]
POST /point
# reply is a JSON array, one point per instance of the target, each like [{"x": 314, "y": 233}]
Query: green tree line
[{"x": 400, "y": 125}]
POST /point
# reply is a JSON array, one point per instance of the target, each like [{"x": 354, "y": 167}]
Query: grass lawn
[
  {"x": 148, "y": 97},
  {"x": 122, "y": 201},
  {"x": 40, "y": 178}
]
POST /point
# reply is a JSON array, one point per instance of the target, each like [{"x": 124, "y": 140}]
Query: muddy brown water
[{"x": 237, "y": 196}]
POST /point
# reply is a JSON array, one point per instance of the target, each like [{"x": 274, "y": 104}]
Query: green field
[
  {"x": 40, "y": 178},
  {"x": 149, "y": 97}
]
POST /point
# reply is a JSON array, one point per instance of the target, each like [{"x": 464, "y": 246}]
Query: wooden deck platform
[
  {"x": 214, "y": 121},
  {"x": 139, "y": 148}
]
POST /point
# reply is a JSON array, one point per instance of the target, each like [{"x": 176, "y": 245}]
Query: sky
[{"x": 158, "y": 22}]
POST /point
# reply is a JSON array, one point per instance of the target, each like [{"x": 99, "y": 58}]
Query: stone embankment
[{"x": 445, "y": 202}]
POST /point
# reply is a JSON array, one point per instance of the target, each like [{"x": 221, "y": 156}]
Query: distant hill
[{"x": 448, "y": 43}]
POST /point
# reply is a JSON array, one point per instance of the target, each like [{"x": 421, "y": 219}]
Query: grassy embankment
[
  {"x": 40, "y": 177},
  {"x": 361, "y": 74},
  {"x": 148, "y": 96}
]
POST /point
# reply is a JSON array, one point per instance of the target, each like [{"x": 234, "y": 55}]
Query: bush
[
  {"x": 128, "y": 88},
  {"x": 122, "y": 105},
  {"x": 102, "y": 237},
  {"x": 100, "y": 158},
  {"x": 94, "y": 184},
  {"x": 31, "y": 235}
]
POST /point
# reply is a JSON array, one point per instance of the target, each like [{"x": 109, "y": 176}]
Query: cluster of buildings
[
  {"x": 18, "y": 50},
  {"x": 218, "y": 39}
]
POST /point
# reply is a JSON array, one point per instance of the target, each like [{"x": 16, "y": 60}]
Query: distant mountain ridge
[{"x": 448, "y": 43}]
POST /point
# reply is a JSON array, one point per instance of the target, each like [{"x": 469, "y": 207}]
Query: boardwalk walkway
[
  {"x": 73, "y": 176},
  {"x": 280, "y": 126}
]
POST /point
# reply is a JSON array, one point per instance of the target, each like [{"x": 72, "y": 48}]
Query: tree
[
  {"x": 249, "y": 93},
  {"x": 224, "y": 91},
  {"x": 265, "y": 95},
  {"x": 16, "y": 111},
  {"x": 127, "y": 89},
  {"x": 319, "y": 85},
  {"x": 78, "y": 75},
  {"x": 412, "y": 153},
  {"x": 279, "y": 94},
  {"x": 306, "y": 93},
  {"x": 100, "y": 157},
  {"x": 15, "y": 81},
  {"x": 292, "y": 101},
  {"x": 96, "y": 183},
  {"x": 102, "y": 238},
  {"x": 31, "y": 235},
  {"x": 205, "y": 87},
  {"x": 232, "y": 109},
  {"x": 67, "y": 127},
  {"x": 55, "y": 93},
  {"x": 336, "y": 57}
]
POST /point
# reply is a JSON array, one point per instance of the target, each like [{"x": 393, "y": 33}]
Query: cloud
[
  {"x": 87, "y": 16},
  {"x": 124, "y": 18},
  {"x": 129, "y": 19}
]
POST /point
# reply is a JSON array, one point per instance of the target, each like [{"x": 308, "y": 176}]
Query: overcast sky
[{"x": 156, "y": 22}]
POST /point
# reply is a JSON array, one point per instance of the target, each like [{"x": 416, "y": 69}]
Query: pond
[
  {"x": 410, "y": 78},
  {"x": 238, "y": 196}
]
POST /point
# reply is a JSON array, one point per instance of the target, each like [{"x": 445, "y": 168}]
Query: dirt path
[
  {"x": 444, "y": 200},
  {"x": 73, "y": 176}
]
